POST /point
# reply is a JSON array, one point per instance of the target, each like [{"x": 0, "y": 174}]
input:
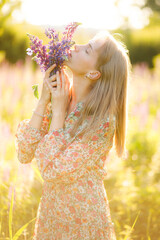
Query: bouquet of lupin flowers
[{"x": 55, "y": 51}]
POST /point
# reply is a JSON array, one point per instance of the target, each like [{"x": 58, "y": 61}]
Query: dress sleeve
[
  {"x": 58, "y": 162},
  {"x": 28, "y": 137}
]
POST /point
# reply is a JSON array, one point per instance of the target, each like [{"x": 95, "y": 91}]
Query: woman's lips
[{"x": 70, "y": 54}]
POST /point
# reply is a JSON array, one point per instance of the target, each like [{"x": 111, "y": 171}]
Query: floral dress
[{"x": 74, "y": 204}]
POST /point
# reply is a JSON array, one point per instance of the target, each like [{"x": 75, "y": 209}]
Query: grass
[{"x": 132, "y": 186}]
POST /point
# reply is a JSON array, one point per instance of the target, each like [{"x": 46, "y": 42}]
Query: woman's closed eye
[{"x": 86, "y": 51}]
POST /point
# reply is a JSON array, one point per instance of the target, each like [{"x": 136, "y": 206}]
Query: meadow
[{"x": 132, "y": 186}]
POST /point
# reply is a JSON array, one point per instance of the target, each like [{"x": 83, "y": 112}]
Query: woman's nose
[{"x": 76, "y": 47}]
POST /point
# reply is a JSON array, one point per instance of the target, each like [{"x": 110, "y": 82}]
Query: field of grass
[{"x": 132, "y": 186}]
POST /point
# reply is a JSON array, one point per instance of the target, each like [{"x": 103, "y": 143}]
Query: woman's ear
[{"x": 94, "y": 75}]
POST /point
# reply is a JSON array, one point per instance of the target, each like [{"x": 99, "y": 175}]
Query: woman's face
[{"x": 84, "y": 57}]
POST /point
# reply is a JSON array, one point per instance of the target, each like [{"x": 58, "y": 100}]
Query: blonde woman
[{"x": 88, "y": 113}]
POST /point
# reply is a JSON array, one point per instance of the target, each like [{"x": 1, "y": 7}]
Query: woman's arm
[
  {"x": 36, "y": 120},
  {"x": 30, "y": 131}
]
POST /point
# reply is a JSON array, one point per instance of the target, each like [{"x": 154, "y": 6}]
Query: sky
[{"x": 100, "y": 14}]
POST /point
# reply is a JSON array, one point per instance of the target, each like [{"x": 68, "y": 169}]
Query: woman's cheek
[{"x": 81, "y": 63}]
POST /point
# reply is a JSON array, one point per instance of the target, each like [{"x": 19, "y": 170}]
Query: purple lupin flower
[
  {"x": 40, "y": 51},
  {"x": 69, "y": 30},
  {"x": 55, "y": 51}
]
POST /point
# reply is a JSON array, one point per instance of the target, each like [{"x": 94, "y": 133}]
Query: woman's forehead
[{"x": 97, "y": 42}]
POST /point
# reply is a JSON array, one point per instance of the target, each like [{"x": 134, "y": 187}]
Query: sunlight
[{"x": 104, "y": 14}]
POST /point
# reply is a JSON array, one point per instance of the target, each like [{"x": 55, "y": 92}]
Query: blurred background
[{"x": 133, "y": 186}]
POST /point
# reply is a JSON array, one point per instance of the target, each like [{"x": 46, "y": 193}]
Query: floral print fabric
[{"x": 74, "y": 202}]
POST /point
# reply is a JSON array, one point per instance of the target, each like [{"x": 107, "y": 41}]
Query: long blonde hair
[{"x": 108, "y": 95}]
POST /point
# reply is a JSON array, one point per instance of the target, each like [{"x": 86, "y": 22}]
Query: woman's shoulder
[{"x": 110, "y": 119}]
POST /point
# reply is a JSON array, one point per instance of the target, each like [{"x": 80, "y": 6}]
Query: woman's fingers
[
  {"x": 48, "y": 85},
  {"x": 53, "y": 84},
  {"x": 59, "y": 77},
  {"x": 49, "y": 69},
  {"x": 52, "y": 78},
  {"x": 58, "y": 81},
  {"x": 63, "y": 81}
]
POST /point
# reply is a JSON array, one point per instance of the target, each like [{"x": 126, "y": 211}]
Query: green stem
[{"x": 50, "y": 119}]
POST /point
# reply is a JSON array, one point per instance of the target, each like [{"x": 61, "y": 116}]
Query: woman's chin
[{"x": 67, "y": 63}]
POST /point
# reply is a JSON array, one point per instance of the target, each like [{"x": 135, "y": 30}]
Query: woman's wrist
[
  {"x": 36, "y": 119},
  {"x": 57, "y": 121},
  {"x": 40, "y": 109}
]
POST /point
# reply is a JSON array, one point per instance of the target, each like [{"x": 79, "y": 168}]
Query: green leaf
[
  {"x": 10, "y": 216},
  {"x": 19, "y": 232},
  {"x": 29, "y": 35},
  {"x": 34, "y": 58},
  {"x": 126, "y": 237},
  {"x": 78, "y": 23},
  {"x": 37, "y": 173},
  {"x": 65, "y": 57},
  {"x": 72, "y": 42},
  {"x": 35, "y": 88}
]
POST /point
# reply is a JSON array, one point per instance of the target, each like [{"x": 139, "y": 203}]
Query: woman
[{"x": 87, "y": 114}]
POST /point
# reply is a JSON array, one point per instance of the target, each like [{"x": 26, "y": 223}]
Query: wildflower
[
  {"x": 29, "y": 51},
  {"x": 55, "y": 51}
]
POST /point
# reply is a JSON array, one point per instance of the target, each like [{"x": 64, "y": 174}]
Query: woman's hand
[
  {"x": 60, "y": 94},
  {"x": 46, "y": 93}
]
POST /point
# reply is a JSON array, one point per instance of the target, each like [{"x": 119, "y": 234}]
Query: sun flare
[{"x": 104, "y": 14}]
